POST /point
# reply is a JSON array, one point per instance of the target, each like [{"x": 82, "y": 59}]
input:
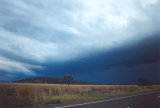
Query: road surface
[{"x": 147, "y": 100}]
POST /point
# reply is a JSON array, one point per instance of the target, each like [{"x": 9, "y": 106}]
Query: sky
[{"x": 102, "y": 41}]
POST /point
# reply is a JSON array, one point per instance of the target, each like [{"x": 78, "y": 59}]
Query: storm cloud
[{"x": 52, "y": 37}]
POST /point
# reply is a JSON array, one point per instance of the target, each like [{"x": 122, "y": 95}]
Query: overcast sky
[{"x": 95, "y": 40}]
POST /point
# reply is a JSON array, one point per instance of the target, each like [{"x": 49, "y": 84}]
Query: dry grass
[{"x": 13, "y": 95}]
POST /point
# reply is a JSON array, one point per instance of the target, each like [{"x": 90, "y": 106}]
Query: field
[{"x": 14, "y": 95}]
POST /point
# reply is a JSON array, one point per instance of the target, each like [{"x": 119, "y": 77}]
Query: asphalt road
[{"x": 148, "y": 100}]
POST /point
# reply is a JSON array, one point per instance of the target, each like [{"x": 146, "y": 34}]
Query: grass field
[{"x": 14, "y": 95}]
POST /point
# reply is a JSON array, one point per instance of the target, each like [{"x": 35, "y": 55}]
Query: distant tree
[
  {"x": 143, "y": 82},
  {"x": 68, "y": 79}
]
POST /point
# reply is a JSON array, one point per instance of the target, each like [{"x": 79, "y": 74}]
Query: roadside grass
[{"x": 15, "y": 95}]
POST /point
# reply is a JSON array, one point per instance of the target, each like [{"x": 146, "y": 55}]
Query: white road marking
[
  {"x": 158, "y": 97},
  {"x": 107, "y": 100},
  {"x": 128, "y": 107}
]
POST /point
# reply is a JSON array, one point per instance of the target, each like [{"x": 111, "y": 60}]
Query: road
[{"x": 147, "y": 100}]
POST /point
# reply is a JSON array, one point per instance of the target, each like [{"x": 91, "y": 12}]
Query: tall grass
[{"x": 13, "y": 95}]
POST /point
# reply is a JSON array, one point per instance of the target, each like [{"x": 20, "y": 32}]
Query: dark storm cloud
[
  {"x": 123, "y": 65},
  {"x": 52, "y": 37}
]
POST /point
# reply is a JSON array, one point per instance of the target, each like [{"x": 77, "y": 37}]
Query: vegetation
[
  {"x": 143, "y": 82},
  {"x": 51, "y": 80},
  {"x": 68, "y": 79},
  {"x": 14, "y": 95}
]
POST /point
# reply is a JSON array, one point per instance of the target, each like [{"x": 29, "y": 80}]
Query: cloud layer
[{"x": 52, "y": 31}]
